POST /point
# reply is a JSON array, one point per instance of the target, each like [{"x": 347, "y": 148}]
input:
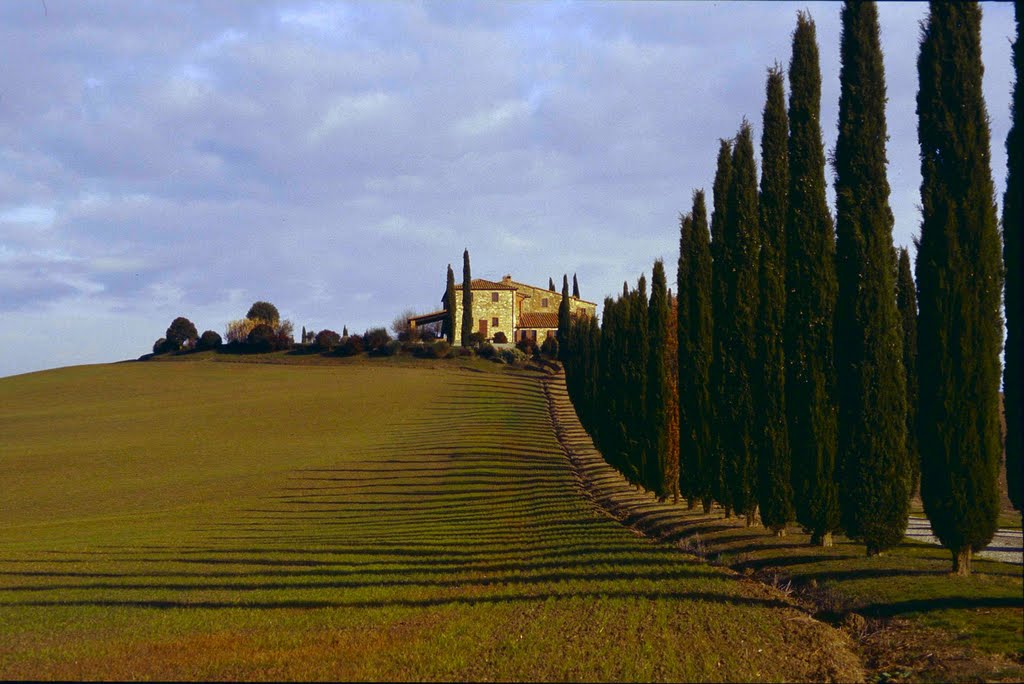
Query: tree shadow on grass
[{"x": 706, "y": 597}]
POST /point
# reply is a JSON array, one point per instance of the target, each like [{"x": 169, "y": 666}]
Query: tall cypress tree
[
  {"x": 959, "y": 282},
  {"x": 575, "y": 287},
  {"x": 720, "y": 190},
  {"x": 906, "y": 303},
  {"x": 563, "y": 320},
  {"x": 638, "y": 353},
  {"x": 810, "y": 302},
  {"x": 775, "y": 492},
  {"x": 688, "y": 465},
  {"x": 698, "y": 390},
  {"x": 871, "y": 381},
  {"x": 657, "y": 384},
  {"x": 1011, "y": 255},
  {"x": 448, "y": 326},
  {"x": 739, "y": 256},
  {"x": 551, "y": 284},
  {"x": 670, "y": 352},
  {"x": 467, "y": 300}
]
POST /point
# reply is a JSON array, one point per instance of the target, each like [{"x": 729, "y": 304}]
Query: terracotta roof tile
[
  {"x": 538, "y": 319},
  {"x": 481, "y": 284}
]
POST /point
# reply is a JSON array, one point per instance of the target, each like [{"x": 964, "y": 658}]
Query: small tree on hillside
[
  {"x": 264, "y": 312},
  {"x": 575, "y": 287},
  {"x": 182, "y": 333}
]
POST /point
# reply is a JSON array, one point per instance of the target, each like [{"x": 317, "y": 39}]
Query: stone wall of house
[
  {"x": 536, "y": 296},
  {"x": 485, "y": 308}
]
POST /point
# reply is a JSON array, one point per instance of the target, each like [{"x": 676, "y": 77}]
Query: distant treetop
[{"x": 264, "y": 311}]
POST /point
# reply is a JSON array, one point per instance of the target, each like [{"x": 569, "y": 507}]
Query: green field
[{"x": 353, "y": 521}]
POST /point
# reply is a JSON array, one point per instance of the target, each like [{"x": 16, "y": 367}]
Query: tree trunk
[
  {"x": 750, "y": 519},
  {"x": 728, "y": 512},
  {"x": 872, "y": 551},
  {"x": 691, "y": 503},
  {"x": 962, "y": 562},
  {"x": 779, "y": 531},
  {"x": 706, "y": 504}
]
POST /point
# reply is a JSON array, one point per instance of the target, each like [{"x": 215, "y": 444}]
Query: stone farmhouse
[{"x": 519, "y": 310}]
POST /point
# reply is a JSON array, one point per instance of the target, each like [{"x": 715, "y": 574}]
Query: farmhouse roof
[
  {"x": 538, "y": 319},
  {"x": 481, "y": 284}
]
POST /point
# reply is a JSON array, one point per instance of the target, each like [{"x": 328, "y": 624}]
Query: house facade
[{"x": 518, "y": 310}]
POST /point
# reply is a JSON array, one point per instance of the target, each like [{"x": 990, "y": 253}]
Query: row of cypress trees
[{"x": 809, "y": 386}]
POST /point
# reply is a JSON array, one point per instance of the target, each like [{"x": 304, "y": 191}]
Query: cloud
[{"x": 181, "y": 159}]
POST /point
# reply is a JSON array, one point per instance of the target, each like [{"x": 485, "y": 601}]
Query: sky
[{"x": 164, "y": 159}]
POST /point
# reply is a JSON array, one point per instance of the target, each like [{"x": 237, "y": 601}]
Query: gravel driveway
[{"x": 1007, "y": 544}]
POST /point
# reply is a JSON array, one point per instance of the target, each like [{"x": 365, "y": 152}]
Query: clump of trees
[{"x": 813, "y": 378}]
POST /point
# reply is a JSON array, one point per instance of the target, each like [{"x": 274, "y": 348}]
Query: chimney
[{"x": 506, "y": 278}]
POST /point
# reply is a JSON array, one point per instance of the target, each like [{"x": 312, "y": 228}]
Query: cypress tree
[
  {"x": 739, "y": 255},
  {"x": 670, "y": 352},
  {"x": 467, "y": 300},
  {"x": 720, "y": 190},
  {"x": 302, "y": 340},
  {"x": 698, "y": 390},
  {"x": 870, "y": 378},
  {"x": 959, "y": 276},
  {"x": 906, "y": 303},
  {"x": 448, "y": 326},
  {"x": 628, "y": 341},
  {"x": 688, "y": 464},
  {"x": 775, "y": 492},
  {"x": 551, "y": 284},
  {"x": 608, "y": 383},
  {"x": 657, "y": 384},
  {"x": 563, "y": 320},
  {"x": 810, "y": 300},
  {"x": 1011, "y": 255},
  {"x": 575, "y": 287},
  {"x": 638, "y": 354}
]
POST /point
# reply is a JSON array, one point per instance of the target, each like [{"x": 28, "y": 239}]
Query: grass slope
[
  {"x": 910, "y": 617},
  {"x": 366, "y": 521}
]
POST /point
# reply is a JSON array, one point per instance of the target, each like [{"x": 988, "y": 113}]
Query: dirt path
[{"x": 1007, "y": 544}]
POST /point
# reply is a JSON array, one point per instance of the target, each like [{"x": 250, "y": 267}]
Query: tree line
[{"x": 802, "y": 373}]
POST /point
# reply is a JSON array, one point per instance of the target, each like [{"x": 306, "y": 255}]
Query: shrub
[
  {"x": 351, "y": 345},
  {"x": 237, "y": 332},
  {"x": 375, "y": 338},
  {"x": 550, "y": 348},
  {"x": 209, "y": 340},
  {"x": 460, "y": 351},
  {"x": 528, "y": 347},
  {"x": 500, "y": 338},
  {"x": 512, "y": 356},
  {"x": 327, "y": 340},
  {"x": 389, "y": 348},
  {"x": 438, "y": 349},
  {"x": 161, "y": 346},
  {"x": 475, "y": 339},
  {"x": 261, "y": 339},
  {"x": 486, "y": 350}
]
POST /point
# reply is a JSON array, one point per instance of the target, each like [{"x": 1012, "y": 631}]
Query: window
[
  {"x": 494, "y": 298},
  {"x": 494, "y": 321},
  {"x": 551, "y": 333},
  {"x": 533, "y": 335},
  {"x": 544, "y": 303}
]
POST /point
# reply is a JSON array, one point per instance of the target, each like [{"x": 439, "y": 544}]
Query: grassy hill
[{"x": 352, "y": 521}]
